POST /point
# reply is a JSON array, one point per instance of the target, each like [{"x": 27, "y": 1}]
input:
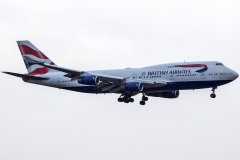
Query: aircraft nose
[{"x": 236, "y": 75}]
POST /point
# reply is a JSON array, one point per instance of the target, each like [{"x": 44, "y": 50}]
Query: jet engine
[
  {"x": 167, "y": 94},
  {"x": 89, "y": 80},
  {"x": 133, "y": 87}
]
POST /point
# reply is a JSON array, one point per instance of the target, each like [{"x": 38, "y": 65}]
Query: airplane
[{"x": 164, "y": 80}]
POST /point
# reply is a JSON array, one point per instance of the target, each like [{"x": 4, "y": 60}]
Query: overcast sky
[{"x": 39, "y": 123}]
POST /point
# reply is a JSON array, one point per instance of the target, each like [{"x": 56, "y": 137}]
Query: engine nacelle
[
  {"x": 167, "y": 94},
  {"x": 89, "y": 80},
  {"x": 133, "y": 87}
]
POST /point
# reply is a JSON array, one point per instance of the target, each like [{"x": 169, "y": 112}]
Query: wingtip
[{"x": 5, "y": 72}]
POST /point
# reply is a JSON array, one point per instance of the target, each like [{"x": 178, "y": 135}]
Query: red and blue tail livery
[
  {"x": 163, "y": 80},
  {"x": 32, "y": 56}
]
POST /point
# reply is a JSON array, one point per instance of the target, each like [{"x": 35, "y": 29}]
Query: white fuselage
[{"x": 187, "y": 75}]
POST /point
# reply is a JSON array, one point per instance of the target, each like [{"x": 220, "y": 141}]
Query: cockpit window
[{"x": 219, "y": 64}]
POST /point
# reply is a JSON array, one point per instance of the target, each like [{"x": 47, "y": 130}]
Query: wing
[
  {"x": 110, "y": 84},
  {"x": 74, "y": 73}
]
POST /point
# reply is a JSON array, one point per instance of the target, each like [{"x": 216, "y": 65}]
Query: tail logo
[{"x": 32, "y": 56}]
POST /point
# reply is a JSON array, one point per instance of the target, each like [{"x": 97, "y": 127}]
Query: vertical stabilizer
[{"x": 32, "y": 56}]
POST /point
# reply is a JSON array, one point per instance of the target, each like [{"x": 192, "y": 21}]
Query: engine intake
[
  {"x": 167, "y": 94},
  {"x": 89, "y": 80},
  {"x": 133, "y": 87}
]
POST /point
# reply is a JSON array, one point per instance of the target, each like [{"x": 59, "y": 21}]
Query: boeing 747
[{"x": 163, "y": 80}]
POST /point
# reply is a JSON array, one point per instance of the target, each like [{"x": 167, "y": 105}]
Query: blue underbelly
[
  {"x": 170, "y": 86},
  {"x": 190, "y": 85}
]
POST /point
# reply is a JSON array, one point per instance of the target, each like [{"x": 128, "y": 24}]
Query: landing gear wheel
[
  {"x": 142, "y": 102},
  {"x": 131, "y": 99},
  {"x": 120, "y": 99},
  {"x": 125, "y": 98},
  {"x": 213, "y": 95},
  {"x": 144, "y": 98}
]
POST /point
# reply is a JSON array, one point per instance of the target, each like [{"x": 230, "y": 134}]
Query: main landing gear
[
  {"x": 125, "y": 99},
  {"x": 213, "y": 95},
  {"x": 144, "y": 99}
]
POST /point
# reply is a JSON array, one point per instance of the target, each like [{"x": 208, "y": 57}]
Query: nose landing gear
[{"x": 213, "y": 95}]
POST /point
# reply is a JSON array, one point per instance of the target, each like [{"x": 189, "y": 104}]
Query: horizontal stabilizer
[{"x": 25, "y": 76}]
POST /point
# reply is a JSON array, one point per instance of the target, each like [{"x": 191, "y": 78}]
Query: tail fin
[{"x": 32, "y": 56}]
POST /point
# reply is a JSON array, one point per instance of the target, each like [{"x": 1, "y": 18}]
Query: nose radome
[{"x": 236, "y": 75}]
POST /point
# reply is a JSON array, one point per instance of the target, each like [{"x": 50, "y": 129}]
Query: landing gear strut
[
  {"x": 213, "y": 95},
  {"x": 144, "y": 99}
]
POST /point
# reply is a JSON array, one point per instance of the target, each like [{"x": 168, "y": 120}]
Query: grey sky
[{"x": 43, "y": 123}]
